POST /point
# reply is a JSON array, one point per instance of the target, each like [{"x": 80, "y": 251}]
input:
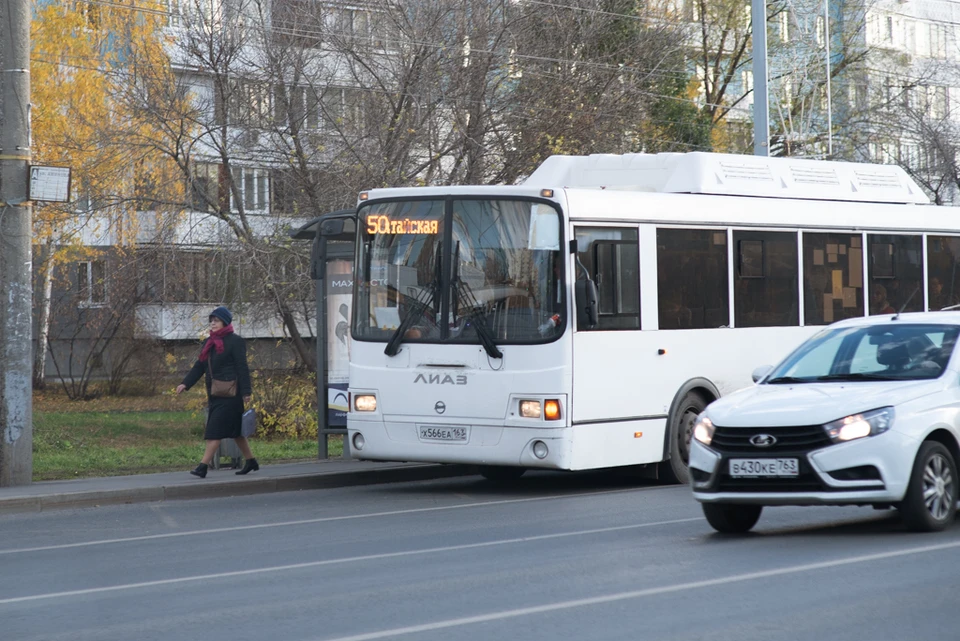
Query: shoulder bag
[{"x": 218, "y": 388}]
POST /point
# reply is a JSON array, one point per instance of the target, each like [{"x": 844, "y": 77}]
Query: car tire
[
  {"x": 501, "y": 473},
  {"x": 680, "y": 431},
  {"x": 731, "y": 518},
  {"x": 930, "y": 503}
]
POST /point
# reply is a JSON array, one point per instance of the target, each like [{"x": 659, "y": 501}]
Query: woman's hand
[
  {"x": 246, "y": 399},
  {"x": 181, "y": 388}
]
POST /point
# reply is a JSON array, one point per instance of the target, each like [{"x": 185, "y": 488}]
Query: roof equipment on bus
[{"x": 733, "y": 175}]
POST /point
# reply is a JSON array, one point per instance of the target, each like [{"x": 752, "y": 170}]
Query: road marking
[
  {"x": 325, "y": 519},
  {"x": 349, "y": 559},
  {"x": 638, "y": 594}
]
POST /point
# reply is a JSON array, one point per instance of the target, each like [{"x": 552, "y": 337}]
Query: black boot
[
  {"x": 201, "y": 471},
  {"x": 250, "y": 465}
]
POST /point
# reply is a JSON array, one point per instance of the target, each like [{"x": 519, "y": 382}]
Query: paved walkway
[{"x": 284, "y": 477}]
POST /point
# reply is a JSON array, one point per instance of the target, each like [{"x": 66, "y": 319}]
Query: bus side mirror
[
  {"x": 331, "y": 227},
  {"x": 587, "y": 314}
]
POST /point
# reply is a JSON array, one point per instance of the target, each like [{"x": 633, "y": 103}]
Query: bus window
[
  {"x": 943, "y": 287},
  {"x": 832, "y": 277},
  {"x": 765, "y": 292},
  {"x": 612, "y": 255},
  {"x": 896, "y": 273},
  {"x": 692, "y": 278}
]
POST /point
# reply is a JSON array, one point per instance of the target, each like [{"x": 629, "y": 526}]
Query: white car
[{"x": 866, "y": 412}]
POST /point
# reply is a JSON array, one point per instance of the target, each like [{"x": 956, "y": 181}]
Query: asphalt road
[{"x": 584, "y": 556}]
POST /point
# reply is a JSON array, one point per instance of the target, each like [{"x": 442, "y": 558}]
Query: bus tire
[
  {"x": 501, "y": 473},
  {"x": 680, "y": 431}
]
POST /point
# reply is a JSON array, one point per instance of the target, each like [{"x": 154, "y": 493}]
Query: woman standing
[{"x": 223, "y": 357}]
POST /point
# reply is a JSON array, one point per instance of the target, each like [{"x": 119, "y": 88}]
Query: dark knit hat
[{"x": 223, "y": 314}]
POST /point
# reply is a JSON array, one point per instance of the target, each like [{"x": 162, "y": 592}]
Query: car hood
[{"x": 812, "y": 403}]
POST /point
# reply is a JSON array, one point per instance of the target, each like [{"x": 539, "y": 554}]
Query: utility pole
[
  {"x": 761, "y": 105},
  {"x": 16, "y": 287}
]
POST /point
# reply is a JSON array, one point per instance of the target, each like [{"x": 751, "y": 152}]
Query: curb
[{"x": 232, "y": 487}]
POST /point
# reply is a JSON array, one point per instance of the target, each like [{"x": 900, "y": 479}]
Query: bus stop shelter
[{"x": 331, "y": 266}]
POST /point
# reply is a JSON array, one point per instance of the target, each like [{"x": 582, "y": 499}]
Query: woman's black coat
[{"x": 224, "y": 414}]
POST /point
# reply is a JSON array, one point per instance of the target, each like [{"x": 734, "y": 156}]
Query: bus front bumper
[{"x": 547, "y": 448}]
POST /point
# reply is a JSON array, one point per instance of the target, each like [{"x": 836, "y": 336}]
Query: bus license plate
[
  {"x": 443, "y": 433},
  {"x": 764, "y": 467}
]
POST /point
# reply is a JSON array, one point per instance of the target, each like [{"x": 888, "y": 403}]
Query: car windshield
[
  {"x": 892, "y": 351},
  {"x": 493, "y": 267}
]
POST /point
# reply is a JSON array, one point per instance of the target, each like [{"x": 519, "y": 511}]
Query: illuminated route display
[{"x": 381, "y": 224}]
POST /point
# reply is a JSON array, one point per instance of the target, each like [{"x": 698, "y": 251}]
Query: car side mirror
[{"x": 760, "y": 372}]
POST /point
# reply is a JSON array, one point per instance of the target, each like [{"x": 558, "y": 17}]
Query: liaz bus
[{"x": 584, "y": 318}]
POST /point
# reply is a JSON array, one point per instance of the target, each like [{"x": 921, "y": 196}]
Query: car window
[{"x": 878, "y": 352}]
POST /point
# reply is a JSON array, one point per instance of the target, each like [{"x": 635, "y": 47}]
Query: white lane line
[
  {"x": 325, "y": 519},
  {"x": 350, "y": 559},
  {"x": 637, "y": 594}
]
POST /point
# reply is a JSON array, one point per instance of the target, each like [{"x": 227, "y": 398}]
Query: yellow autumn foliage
[{"x": 89, "y": 60}]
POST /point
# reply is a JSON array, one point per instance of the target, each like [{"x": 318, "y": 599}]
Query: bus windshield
[{"x": 492, "y": 267}]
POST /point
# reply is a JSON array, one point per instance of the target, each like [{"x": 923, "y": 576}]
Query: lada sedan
[{"x": 865, "y": 412}]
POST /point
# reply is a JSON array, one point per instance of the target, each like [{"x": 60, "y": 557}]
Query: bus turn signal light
[{"x": 551, "y": 410}]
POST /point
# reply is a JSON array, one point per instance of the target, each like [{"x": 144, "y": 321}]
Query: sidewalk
[{"x": 169, "y": 486}]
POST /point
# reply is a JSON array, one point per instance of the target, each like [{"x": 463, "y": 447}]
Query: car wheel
[
  {"x": 675, "y": 469},
  {"x": 931, "y": 499},
  {"x": 501, "y": 473},
  {"x": 730, "y": 518}
]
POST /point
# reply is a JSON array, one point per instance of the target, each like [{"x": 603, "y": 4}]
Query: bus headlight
[
  {"x": 530, "y": 409},
  {"x": 358, "y": 441},
  {"x": 365, "y": 403},
  {"x": 703, "y": 430}
]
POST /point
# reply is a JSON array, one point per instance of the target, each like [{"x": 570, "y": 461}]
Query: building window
[
  {"x": 253, "y": 187},
  {"x": 91, "y": 282}
]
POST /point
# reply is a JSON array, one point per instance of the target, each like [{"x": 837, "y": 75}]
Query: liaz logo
[{"x": 437, "y": 379}]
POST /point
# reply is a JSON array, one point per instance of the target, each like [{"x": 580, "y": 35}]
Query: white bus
[{"x": 584, "y": 318}]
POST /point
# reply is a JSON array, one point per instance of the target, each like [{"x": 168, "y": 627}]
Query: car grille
[{"x": 796, "y": 440}]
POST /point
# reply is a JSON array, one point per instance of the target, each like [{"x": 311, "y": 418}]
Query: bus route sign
[
  {"x": 380, "y": 224},
  {"x": 50, "y": 184}
]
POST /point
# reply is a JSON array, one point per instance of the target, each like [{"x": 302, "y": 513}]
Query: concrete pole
[
  {"x": 826, "y": 43},
  {"x": 16, "y": 288},
  {"x": 761, "y": 104}
]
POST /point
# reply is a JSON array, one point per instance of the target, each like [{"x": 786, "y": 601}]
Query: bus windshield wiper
[
  {"x": 424, "y": 301},
  {"x": 463, "y": 297}
]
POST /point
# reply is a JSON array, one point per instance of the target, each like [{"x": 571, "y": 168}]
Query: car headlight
[
  {"x": 857, "y": 426},
  {"x": 703, "y": 430}
]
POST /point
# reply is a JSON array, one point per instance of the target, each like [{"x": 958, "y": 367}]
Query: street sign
[{"x": 51, "y": 184}]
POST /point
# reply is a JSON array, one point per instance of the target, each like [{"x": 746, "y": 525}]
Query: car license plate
[
  {"x": 444, "y": 433},
  {"x": 764, "y": 467}
]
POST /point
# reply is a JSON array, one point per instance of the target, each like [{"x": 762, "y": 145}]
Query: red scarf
[{"x": 215, "y": 341}]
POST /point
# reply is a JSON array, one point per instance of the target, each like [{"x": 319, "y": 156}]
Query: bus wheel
[
  {"x": 501, "y": 473},
  {"x": 675, "y": 470}
]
